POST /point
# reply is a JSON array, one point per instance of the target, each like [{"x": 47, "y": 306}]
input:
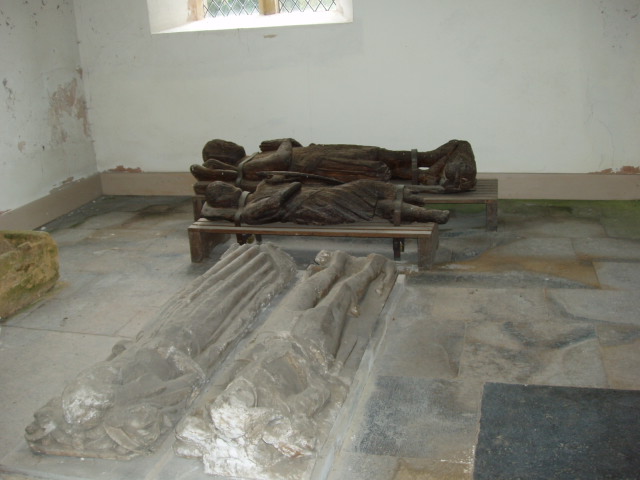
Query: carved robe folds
[
  {"x": 124, "y": 406},
  {"x": 271, "y": 419}
]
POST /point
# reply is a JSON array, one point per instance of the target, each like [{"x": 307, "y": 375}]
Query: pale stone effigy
[
  {"x": 269, "y": 420},
  {"x": 124, "y": 406}
]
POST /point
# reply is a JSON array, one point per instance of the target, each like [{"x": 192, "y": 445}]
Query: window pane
[
  {"x": 224, "y": 8},
  {"x": 306, "y": 5}
]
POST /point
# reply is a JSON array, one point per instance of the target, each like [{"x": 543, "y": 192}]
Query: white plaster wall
[
  {"x": 535, "y": 86},
  {"x": 45, "y": 138}
]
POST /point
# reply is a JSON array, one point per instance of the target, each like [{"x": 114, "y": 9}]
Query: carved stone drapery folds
[
  {"x": 262, "y": 408},
  {"x": 272, "y": 415},
  {"x": 124, "y": 406}
]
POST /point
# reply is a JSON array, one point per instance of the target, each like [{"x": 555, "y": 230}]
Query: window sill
[{"x": 262, "y": 21}]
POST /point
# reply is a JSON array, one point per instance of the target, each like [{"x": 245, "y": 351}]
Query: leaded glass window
[{"x": 226, "y": 8}]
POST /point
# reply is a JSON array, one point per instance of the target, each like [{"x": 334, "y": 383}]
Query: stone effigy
[
  {"x": 124, "y": 406},
  {"x": 278, "y": 200},
  {"x": 452, "y": 165},
  {"x": 269, "y": 419}
]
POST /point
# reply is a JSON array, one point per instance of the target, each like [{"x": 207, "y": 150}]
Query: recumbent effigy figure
[
  {"x": 279, "y": 200},
  {"x": 271, "y": 418},
  {"x": 124, "y": 406},
  {"x": 452, "y": 165}
]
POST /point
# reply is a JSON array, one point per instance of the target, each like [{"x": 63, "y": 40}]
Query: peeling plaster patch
[
  {"x": 63, "y": 103},
  {"x": 626, "y": 170},
  {"x": 21, "y": 146},
  {"x": 62, "y": 185},
  {"x": 121, "y": 168}
]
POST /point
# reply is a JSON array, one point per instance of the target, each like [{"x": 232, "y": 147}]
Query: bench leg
[
  {"x": 398, "y": 248},
  {"x": 427, "y": 248},
  {"x": 201, "y": 242},
  {"x": 196, "y": 245},
  {"x": 197, "y": 203},
  {"x": 492, "y": 215}
]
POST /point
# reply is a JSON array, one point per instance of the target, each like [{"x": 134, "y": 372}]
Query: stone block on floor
[{"x": 29, "y": 268}]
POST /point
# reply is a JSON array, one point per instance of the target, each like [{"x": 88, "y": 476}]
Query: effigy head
[
  {"x": 223, "y": 150},
  {"x": 460, "y": 173},
  {"x": 89, "y": 396}
]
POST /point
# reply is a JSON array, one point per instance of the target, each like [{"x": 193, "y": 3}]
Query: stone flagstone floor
[{"x": 549, "y": 299}]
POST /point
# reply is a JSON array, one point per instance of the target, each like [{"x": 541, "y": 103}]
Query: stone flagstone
[{"x": 599, "y": 305}]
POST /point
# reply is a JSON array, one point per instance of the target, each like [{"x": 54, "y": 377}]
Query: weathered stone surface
[
  {"x": 620, "y": 346},
  {"x": 28, "y": 268},
  {"x": 419, "y": 343},
  {"x": 124, "y": 406},
  {"x": 615, "y": 306},
  {"x": 618, "y": 275},
  {"x": 542, "y": 351},
  {"x": 270, "y": 418},
  {"x": 401, "y": 415}
]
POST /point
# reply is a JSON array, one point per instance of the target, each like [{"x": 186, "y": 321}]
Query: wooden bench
[
  {"x": 204, "y": 234},
  {"x": 486, "y": 192}
]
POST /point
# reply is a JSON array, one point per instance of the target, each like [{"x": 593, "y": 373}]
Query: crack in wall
[{"x": 10, "y": 101}]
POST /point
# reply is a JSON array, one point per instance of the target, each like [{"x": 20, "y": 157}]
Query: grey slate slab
[
  {"x": 537, "y": 247},
  {"x": 457, "y": 275},
  {"x": 620, "y": 347},
  {"x": 539, "y": 432},
  {"x": 618, "y": 306},
  {"x": 415, "y": 417},
  {"x": 36, "y": 366},
  {"x": 420, "y": 344},
  {"x": 608, "y": 248},
  {"x": 530, "y": 351},
  {"x": 618, "y": 275}
]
